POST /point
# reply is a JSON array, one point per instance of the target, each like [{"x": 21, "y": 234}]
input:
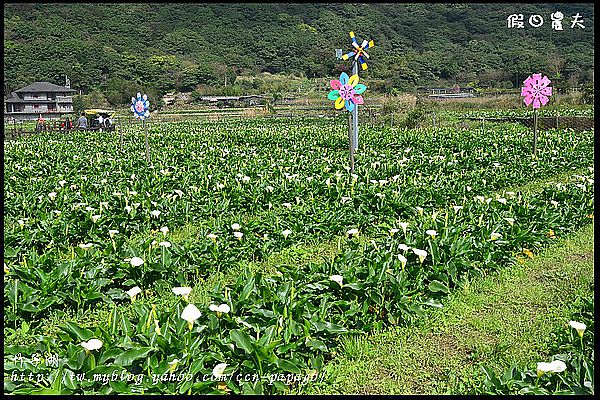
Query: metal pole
[
  {"x": 483, "y": 125},
  {"x": 351, "y": 140},
  {"x": 147, "y": 145},
  {"x": 535, "y": 122},
  {"x": 120, "y": 136},
  {"x": 355, "y": 111}
]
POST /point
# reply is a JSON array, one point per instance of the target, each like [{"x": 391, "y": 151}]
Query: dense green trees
[{"x": 113, "y": 48}]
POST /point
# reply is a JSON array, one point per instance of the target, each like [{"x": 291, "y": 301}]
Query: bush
[
  {"x": 400, "y": 104},
  {"x": 587, "y": 96},
  {"x": 413, "y": 117}
]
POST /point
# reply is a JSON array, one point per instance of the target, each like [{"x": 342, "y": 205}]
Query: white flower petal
[
  {"x": 136, "y": 261},
  {"x": 190, "y": 313},
  {"x": 92, "y": 344}
]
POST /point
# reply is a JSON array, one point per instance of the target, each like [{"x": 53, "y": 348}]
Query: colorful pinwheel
[
  {"x": 360, "y": 52},
  {"x": 140, "y": 106},
  {"x": 346, "y": 91},
  {"x": 536, "y": 90}
]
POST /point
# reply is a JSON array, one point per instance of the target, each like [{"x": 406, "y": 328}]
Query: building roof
[
  {"x": 13, "y": 98},
  {"x": 44, "y": 87},
  {"x": 227, "y": 98}
]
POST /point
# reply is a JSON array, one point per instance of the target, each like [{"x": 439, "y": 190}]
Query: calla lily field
[{"x": 89, "y": 227}]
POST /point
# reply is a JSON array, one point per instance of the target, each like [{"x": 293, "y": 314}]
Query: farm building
[
  {"x": 45, "y": 98},
  {"x": 250, "y": 100}
]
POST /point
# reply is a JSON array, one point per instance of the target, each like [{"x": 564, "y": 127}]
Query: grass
[
  {"x": 501, "y": 319},
  {"x": 538, "y": 185}
]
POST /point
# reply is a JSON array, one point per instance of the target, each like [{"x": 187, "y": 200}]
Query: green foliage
[
  {"x": 267, "y": 175},
  {"x": 576, "y": 352},
  {"x": 176, "y": 47},
  {"x": 413, "y": 118},
  {"x": 588, "y": 94}
]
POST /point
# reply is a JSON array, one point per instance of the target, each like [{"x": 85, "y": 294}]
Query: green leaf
[
  {"x": 129, "y": 356},
  {"x": 287, "y": 366},
  {"x": 247, "y": 289},
  {"x": 437, "y": 286},
  {"x": 24, "y": 327},
  {"x": 119, "y": 386},
  {"x": 79, "y": 333},
  {"x": 329, "y": 327},
  {"x": 317, "y": 345},
  {"x": 68, "y": 380},
  {"x": 433, "y": 303},
  {"x": 355, "y": 286},
  {"x": 418, "y": 310},
  {"x": 282, "y": 387},
  {"x": 185, "y": 386},
  {"x": 533, "y": 390},
  {"x": 110, "y": 353},
  {"x": 29, "y": 390},
  {"x": 9, "y": 252},
  {"x": 125, "y": 325},
  {"x": 242, "y": 340}
]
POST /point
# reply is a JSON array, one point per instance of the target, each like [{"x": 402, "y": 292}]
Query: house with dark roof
[{"x": 45, "y": 98}]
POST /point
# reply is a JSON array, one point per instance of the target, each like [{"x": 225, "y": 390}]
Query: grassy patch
[
  {"x": 538, "y": 185},
  {"x": 501, "y": 319}
]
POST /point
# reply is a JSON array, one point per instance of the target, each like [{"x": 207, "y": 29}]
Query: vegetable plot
[{"x": 89, "y": 227}]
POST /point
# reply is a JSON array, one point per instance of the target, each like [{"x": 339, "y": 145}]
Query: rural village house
[{"x": 45, "y": 98}]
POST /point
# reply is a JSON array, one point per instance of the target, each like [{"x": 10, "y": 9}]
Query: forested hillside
[{"x": 114, "y": 48}]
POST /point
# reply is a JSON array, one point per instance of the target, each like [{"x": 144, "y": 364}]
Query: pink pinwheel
[
  {"x": 536, "y": 90},
  {"x": 346, "y": 91}
]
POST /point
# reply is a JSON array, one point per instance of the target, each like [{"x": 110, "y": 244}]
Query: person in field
[
  {"x": 67, "y": 125},
  {"x": 82, "y": 122},
  {"x": 40, "y": 123}
]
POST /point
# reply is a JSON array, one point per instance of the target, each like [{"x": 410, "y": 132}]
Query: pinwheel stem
[
  {"x": 355, "y": 111},
  {"x": 121, "y": 138},
  {"x": 350, "y": 140},
  {"x": 535, "y": 124},
  {"x": 147, "y": 145}
]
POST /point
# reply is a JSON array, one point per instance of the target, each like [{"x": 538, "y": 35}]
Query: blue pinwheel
[
  {"x": 140, "y": 106},
  {"x": 359, "y": 53}
]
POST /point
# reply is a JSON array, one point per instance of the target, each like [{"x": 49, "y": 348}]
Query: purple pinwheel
[
  {"x": 346, "y": 91},
  {"x": 536, "y": 90}
]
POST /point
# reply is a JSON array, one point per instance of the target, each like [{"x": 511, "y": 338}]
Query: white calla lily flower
[
  {"x": 136, "y": 261},
  {"x": 92, "y": 344},
  {"x": 421, "y": 254},
  {"x": 337, "y": 278},
  {"x": 218, "y": 370},
  {"x": 182, "y": 291},
  {"x": 190, "y": 313},
  {"x": 133, "y": 292},
  {"x": 402, "y": 260},
  {"x": 578, "y": 326}
]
